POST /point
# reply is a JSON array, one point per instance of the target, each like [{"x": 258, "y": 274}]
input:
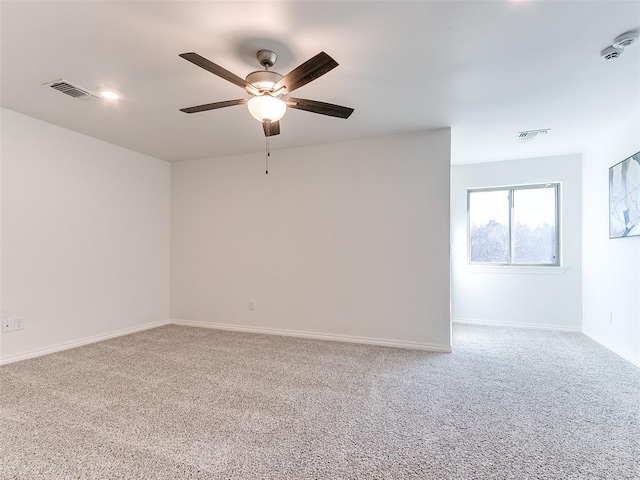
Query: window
[{"x": 514, "y": 225}]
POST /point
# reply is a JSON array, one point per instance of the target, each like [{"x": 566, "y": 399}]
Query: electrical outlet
[
  {"x": 611, "y": 318},
  {"x": 18, "y": 323},
  {"x": 252, "y": 305},
  {"x": 7, "y": 325}
]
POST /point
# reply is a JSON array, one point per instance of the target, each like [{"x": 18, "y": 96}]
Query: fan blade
[
  {"x": 215, "y": 69},
  {"x": 320, "y": 107},
  {"x": 271, "y": 128},
  {"x": 213, "y": 106},
  {"x": 307, "y": 72}
]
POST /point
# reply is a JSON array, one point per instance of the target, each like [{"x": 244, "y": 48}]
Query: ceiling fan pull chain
[{"x": 267, "y": 155}]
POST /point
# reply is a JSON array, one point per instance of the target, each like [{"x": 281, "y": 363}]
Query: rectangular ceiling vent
[
  {"x": 532, "y": 133},
  {"x": 72, "y": 90}
]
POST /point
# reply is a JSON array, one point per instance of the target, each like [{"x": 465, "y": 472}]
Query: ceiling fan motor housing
[{"x": 263, "y": 80}]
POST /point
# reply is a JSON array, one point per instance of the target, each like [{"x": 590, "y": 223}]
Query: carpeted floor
[{"x": 189, "y": 403}]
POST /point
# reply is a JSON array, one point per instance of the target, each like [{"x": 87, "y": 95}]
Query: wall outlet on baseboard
[
  {"x": 7, "y": 325},
  {"x": 18, "y": 323},
  {"x": 252, "y": 305}
]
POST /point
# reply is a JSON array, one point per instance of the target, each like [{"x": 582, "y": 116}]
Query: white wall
[
  {"x": 493, "y": 295},
  {"x": 611, "y": 275},
  {"x": 85, "y": 236},
  {"x": 348, "y": 239}
]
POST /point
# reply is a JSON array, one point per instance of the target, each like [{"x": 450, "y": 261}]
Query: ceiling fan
[{"x": 269, "y": 91}]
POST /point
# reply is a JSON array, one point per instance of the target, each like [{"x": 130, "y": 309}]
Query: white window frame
[{"x": 510, "y": 189}]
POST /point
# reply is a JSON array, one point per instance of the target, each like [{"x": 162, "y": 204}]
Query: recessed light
[{"x": 110, "y": 94}]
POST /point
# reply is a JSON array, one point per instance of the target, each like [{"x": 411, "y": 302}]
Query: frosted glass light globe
[{"x": 266, "y": 108}]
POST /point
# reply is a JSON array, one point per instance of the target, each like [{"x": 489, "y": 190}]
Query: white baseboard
[
  {"x": 318, "y": 336},
  {"x": 83, "y": 341},
  {"x": 627, "y": 356},
  {"x": 535, "y": 326}
]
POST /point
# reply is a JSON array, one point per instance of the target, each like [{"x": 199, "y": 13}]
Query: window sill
[{"x": 516, "y": 269}]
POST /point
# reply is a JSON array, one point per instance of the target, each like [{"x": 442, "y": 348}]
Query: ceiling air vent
[
  {"x": 530, "y": 135},
  {"x": 73, "y": 90}
]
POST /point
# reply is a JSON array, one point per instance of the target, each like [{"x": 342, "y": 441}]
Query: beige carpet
[{"x": 180, "y": 402}]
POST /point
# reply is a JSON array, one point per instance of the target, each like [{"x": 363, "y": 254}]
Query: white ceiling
[{"x": 487, "y": 69}]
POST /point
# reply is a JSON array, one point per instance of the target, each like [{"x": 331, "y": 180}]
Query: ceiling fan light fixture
[
  {"x": 263, "y": 80},
  {"x": 266, "y": 108}
]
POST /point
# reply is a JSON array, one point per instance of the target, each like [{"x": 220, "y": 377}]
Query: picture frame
[{"x": 624, "y": 198}]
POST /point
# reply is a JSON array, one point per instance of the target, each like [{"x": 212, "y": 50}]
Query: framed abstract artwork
[{"x": 624, "y": 198}]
